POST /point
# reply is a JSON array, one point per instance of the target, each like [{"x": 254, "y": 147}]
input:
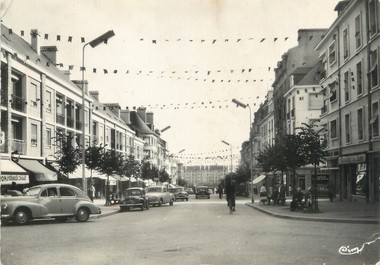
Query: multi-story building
[
  {"x": 39, "y": 102},
  {"x": 203, "y": 174},
  {"x": 349, "y": 54}
]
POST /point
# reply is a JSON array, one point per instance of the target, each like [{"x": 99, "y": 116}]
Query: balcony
[
  {"x": 60, "y": 118},
  {"x": 18, "y": 103}
]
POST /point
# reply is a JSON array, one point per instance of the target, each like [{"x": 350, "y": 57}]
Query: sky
[{"x": 182, "y": 60}]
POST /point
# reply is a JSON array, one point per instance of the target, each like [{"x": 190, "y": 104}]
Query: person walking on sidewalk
[
  {"x": 91, "y": 192},
  {"x": 331, "y": 191}
]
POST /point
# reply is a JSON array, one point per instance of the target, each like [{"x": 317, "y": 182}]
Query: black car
[
  {"x": 179, "y": 193},
  {"x": 202, "y": 192},
  {"x": 134, "y": 198}
]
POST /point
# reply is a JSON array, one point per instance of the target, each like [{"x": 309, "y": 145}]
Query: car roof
[
  {"x": 54, "y": 185},
  {"x": 135, "y": 188}
]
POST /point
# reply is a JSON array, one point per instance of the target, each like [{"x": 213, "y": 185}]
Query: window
[
  {"x": 34, "y": 135},
  {"x": 33, "y": 94},
  {"x": 48, "y": 138},
  {"x": 372, "y": 17},
  {"x": 347, "y": 123},
  {"x": 358, "y": 31},
  {"x": 375, "y": 119},
  {"x": 49, "y": 192},
  {"x": 333, "y": 129},
  {"x": 346, "y": 84},
  {"x": 359, "y": 78},
  {"x": 332, "y": 92},
  {"x": 67, "y": 192},
  {"x": 346, "y": 49},
  {"x": 48, "y": 101},
  {"x": 332, "y": 54},
  {"x": 360, "y": 118},
  {"x": 373, "y": 73}
]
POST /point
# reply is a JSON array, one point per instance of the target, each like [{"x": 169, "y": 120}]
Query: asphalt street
[{"x": 193, "y": 232}]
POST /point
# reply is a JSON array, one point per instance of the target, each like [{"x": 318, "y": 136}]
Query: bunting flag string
[
  {"x": 82, "y": 39},
  {"x": 211, "y": 104}
]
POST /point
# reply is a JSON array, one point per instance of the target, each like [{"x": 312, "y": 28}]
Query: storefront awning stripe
[
  {"x": 42, "y": 173},
  {"x": 10, "y": 167}
]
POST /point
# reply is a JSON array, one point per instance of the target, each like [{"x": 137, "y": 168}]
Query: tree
[
  {"x": 164, "y": 176},
  {"x": 110, "y": 164},
  {"x": 149, "y": 171},
  {"x": 67, "y": 157},
  {"x": 93, "y": 157},
  {"x": 182, "y": 182},
  {"x": 132, "y": 168},
  {"x": 313, "y": 151}
]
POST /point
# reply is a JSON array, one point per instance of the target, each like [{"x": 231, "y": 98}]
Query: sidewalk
[
  {"x": 336, "y": 211},
  {"x": 106, "y": 210}
]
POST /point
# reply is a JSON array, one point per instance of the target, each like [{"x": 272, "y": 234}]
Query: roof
[
  {"x": 138, "y": 123},
  {"x": 311, "y": 77}
]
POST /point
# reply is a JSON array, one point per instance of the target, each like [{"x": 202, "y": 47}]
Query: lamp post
[
  {"x": 95, "y": 42},
  {"x": 240, "y": 104}
]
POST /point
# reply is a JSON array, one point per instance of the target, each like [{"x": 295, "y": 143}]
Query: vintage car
[
  {"x": 179, "y": 193},
  {"x": 59, "y": 201},
  {"x": 159, "y": 195},
  {"x": 134, "y": 198},
  {"x": 202, "y": 192}
]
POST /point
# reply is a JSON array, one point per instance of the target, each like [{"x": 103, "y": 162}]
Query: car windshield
[
  {"x": 202, "y": 189},
  {"x": 133, "y": 192},
  {"x": 154, "y": 189},
  {"x": 33, "y": 191}
]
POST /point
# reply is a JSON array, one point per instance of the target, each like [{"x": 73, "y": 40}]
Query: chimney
[
  {"x": 114, "y": 107},
  {"x": 50, "y": 52},
  {"x": 341, "y": 6},
  {"x": 141, "y": 111},
  {"x": 78, "y": 83},
  {"x": 34, "y": 40},
  {"x": 95, "y": 94},
  {"x": 149, "y": 118},
  {"x": 126, "y": 116}
]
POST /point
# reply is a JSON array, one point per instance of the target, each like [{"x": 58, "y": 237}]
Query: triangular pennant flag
[
  {"x": 213, "y": 41},
  {"x": 115, "y": 71},
  {"x": 127, "y": 72},
  {"x": 58, "y": 38},
  {"x": 46, "y": 36},
  {"x": 82, "y": 68},
  {"x": 268, "y": 68},
  {"x": 249, "y": 70},
  {"x": 275, "y": 39},
  {"x": 178, "y": 39},
  {"x": 191, "y": 40},
  {"x": 286, "y": 38},
  {"x": 22, "y": 33},
  {"x": 232, "y": 71},
  {"x": 94, "y": 70},
  {"x": 141, "y": 39},
  {"x": 238, "y": 40},
  {"x": 208, "y": 72},
  {"x": 71, "y": 67},
  {"x": 242, "y": 70},
  {"x": 82, "y": 40},
  {"x": 154, "y": 42},
  {"x": 70, "y": 39},
  {"x": 202, "y": 40},
  {"x": 105, "y": 71},
  {"x": 226, "y": 40},
  {"x": 263, "y": 39}
]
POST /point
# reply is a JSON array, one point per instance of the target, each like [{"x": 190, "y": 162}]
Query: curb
[
  {"x": 105, "y": 214},
  {"x": 314, "y": 219}
]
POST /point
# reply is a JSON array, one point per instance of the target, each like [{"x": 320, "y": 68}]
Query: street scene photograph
[{"x": 192, "y": 132}]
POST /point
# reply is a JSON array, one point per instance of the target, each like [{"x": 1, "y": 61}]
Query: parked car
[
  {"x": 179, "y": 193},
  {"x": 134, "y": 198},
  {"x": 189, "y": 191},
  {"x": 202, "y": 192},
  {"x": 159, "y": 195},
  {"x": 59, "y": 201}
]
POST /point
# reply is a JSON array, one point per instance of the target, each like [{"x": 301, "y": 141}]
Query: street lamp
[
  {"x": 231, "y": 156},
  {"x": 240, "y": 104},
  {"x": 95, "y": 42}
]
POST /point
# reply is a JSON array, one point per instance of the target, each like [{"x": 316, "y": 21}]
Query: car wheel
[
  {"x": 61, "y": 219},
  {"x": 21, "y": 216},
  {"x": 82, "y": 215},
  {"x": 160, "y": 203},
  {"x": 187, "y": 199}
]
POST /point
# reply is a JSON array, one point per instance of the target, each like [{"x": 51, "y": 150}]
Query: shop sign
[
  {"x": 19, "y": 179},
  {"x": 354, "y": 159}
]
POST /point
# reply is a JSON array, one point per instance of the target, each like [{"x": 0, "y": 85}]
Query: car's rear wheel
[
  {"x": 22, "y": 216},
  {"x": 82, "y": 215},
  {"x": 160, "y": 203}
]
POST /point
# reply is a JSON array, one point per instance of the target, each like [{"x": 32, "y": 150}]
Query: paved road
[{"x": 193, "y": 232}]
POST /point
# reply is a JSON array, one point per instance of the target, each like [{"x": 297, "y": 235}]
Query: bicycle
[{"x": 230, "y": 202}]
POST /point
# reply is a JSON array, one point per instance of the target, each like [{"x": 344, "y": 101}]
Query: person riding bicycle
[{"x": 230, "y": 192}]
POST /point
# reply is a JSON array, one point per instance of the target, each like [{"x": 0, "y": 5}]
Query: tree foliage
[
  {"x": 67, "y": 157},
  {"x": 132, "y": 167},
  {"x": 164, "y": 176},
  {"x": 94, "y": 156},
  {"x": 149, "y": 171}
]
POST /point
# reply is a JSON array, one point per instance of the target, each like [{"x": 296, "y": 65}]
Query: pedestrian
[
  {"x": 270, "y": 194},
  {"x": 263, "y": 194},
  {"x": 331, "y": 191},
  {"x": 290, "y": 190},
  {"x": 230, "y": 193},
  {"x": 91, "y": 192}
]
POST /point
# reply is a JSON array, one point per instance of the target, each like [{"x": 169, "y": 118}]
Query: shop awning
[
  {"x": 42, "y": 173},
  {"x": 11, "y": 172},
  {"x": 258, "y": 179}
]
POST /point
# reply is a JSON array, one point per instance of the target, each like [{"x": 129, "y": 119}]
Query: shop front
[
  {"x": 39, "y": 173},
  {"x": 13, "y": 176}
]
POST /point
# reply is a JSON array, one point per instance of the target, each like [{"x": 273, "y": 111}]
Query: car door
[
  {"x": 68, "y": 200},
  {"x": 166, "y": 195},
  {"x": 49, "y": 198}
]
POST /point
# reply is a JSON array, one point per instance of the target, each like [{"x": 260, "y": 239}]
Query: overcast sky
[{"x": 183, "y": 60}]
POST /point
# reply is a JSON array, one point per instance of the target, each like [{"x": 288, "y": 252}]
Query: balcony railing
[
  {"x": 60, "y": 119},
  {"x": 70, "y": 122},
  {"x": 18, "y": 145},
  {"x": 18, "y": 103},
  {"x": 78, "y": 125}
]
